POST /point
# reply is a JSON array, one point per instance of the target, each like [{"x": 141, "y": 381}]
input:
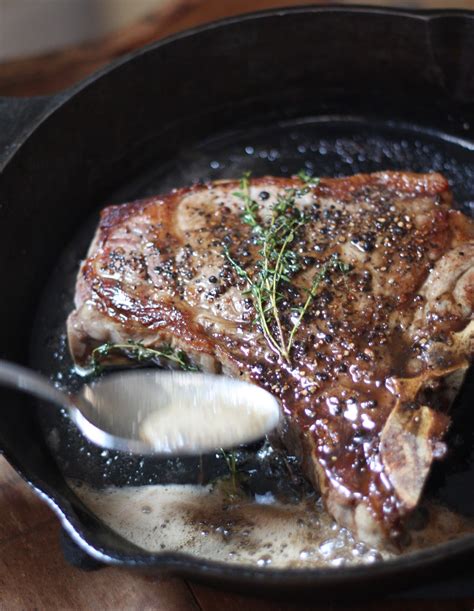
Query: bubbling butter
[{"x": 204, "y": 522}]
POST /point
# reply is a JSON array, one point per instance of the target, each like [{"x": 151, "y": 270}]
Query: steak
[{"x": 349, "y": 299}]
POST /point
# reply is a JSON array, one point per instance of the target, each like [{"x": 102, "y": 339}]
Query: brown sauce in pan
[{"x": 204, "y": 522}]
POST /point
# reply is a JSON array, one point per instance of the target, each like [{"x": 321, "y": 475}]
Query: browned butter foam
[{"x": 203, "y": 521}]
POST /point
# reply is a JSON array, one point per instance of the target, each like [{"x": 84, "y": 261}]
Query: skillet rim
[{"x": 185, "y": 564}]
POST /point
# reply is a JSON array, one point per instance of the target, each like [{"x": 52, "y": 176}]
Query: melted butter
[
  {"x": 179, "y": 424},
  {"x": 204, "y": 522}
]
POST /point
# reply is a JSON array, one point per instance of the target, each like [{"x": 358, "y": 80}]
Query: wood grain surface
[
  {"x": 33, "y": 572},
  {"x": 55, "y": 71}
]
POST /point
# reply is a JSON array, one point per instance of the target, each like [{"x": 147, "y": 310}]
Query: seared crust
[{"x": 358, "y": 395}]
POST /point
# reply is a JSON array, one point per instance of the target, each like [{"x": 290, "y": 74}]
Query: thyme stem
[
  {"x": 276, "y": 314},
  {"x": 231, "y": 461}
]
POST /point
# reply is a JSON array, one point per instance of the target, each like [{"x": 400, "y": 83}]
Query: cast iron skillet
[{"x": 335, "y": 89}]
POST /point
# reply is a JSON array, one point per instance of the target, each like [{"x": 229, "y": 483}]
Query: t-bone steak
[{"x": 350, "y": 299}]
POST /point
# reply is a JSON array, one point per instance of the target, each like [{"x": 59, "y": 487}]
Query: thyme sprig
[
  {"x": 138, "y": 352},
  {"x": 231, "y": 460},
  {"x": 278, "y": 262},
  {"x": 307, "y": 178},
  {"x": 334, "y": 264},
  {"x": 249, "y": 215}
]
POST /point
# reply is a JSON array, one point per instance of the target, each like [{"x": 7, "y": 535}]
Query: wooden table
[
  {"x": 33, "y": 572},
  {"x": 54, "y": 71}
]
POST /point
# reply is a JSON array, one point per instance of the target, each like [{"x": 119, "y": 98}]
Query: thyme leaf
[
  {"x": 310, "y": 182},
  {"x": 307, "y": 178}
]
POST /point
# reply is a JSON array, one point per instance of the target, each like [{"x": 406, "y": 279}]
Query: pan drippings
[{"x": 204, "y": 522}]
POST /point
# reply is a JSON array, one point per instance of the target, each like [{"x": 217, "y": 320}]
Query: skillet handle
[{"x": 18, "y": 117}]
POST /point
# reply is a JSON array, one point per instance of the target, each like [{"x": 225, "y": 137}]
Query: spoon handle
[{"x": 25, "y": 380}]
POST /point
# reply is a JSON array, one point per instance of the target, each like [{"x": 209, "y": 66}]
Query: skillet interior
[{"x": 309, "y": 103}]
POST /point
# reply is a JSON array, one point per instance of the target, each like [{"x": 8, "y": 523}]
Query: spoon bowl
[{"x": 159, "y": 412}]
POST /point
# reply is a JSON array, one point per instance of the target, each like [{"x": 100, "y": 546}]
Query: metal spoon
[{"x": 158, "y": 412}]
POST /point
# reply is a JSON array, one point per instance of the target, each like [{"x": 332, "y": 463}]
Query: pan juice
[{"x": 206, "y": 522}]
